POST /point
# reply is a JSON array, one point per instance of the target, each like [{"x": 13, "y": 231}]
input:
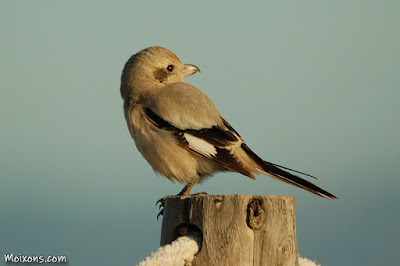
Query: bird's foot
[
  {"x": 180, "y": 195},
  {"x": 162, "y": 204},
  {"x": 162, "y": 201},
  {"x": 199, "y": 194}
]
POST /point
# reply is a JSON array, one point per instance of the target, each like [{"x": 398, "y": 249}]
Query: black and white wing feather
[{"x": 216, "y": 143}]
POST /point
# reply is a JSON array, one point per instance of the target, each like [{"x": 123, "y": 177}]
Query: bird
[{"x": 179, "y": 130}]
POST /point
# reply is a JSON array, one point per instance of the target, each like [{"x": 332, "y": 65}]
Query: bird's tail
[{"x": 274, "y": 171}]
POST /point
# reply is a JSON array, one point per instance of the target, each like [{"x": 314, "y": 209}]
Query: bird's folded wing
[{"x": 215, "y": 142}]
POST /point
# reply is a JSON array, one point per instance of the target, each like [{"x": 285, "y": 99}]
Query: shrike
[{"x": 180, "y": 132}]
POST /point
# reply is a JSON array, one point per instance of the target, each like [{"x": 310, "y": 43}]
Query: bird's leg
[{"x": 186, "y": 190}]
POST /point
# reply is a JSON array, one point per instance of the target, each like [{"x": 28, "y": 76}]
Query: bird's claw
[
  {"x": 161, "y": 213},
  {"x": 162, "y": 201},
  {"x": 162, "y": 205}
]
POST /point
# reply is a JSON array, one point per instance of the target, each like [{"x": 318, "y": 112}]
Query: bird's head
[{"x": 151, "y": 69}]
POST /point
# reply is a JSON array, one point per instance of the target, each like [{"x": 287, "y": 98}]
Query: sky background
[{"x": 311, "y": 85}]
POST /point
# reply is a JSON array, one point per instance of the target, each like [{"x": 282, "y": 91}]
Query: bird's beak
[{"x": 189, "y": 70}]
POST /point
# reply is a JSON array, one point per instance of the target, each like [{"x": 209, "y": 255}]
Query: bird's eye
[{"x": 170, "y": 68}]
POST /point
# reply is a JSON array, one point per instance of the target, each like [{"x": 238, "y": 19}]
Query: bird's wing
[{"x": 197, "y": 125}]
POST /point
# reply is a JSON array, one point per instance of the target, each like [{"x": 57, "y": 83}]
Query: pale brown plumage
[{"x": 178, "y": 129}]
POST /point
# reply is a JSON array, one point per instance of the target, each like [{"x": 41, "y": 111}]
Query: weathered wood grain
[{"x": 236, "y": 229}]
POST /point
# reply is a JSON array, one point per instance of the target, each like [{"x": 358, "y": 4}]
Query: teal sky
[{"x": 312, "y": 85}]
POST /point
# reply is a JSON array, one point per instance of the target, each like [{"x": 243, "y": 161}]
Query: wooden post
[{"x": 236, "y": 229}]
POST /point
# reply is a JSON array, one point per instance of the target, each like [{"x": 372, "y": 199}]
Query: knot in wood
[{"x": 255, "y": 214}]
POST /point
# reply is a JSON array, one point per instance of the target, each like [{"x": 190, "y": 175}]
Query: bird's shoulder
[{"x": 185, "y": 107}]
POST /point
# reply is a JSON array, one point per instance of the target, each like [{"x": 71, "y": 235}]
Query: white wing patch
[{"x": 201, "y": 146}]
